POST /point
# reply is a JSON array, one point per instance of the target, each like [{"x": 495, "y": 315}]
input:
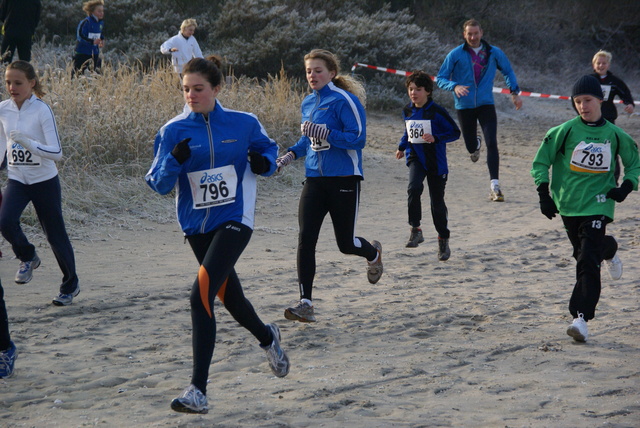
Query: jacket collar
[
  {"x": 26, "y": 102},
  {"x": 211, "y": 115},
  {"x": 329, "y": 87}
]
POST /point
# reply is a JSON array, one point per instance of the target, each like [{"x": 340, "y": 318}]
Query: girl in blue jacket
[
  {"x": 211, "y": 155},
  {"x": 333, "y": 136},
  {"x": 90, "y": 38}
]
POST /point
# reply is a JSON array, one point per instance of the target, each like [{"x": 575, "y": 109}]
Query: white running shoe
[
  {"x": 192, "y": 400},
  {"x": 278, "y": 360},
  {"x": 496, "y": 194},
  {"x": 25, "y": 272},
  {"x": 65, "y": 299},
  {"x": 614, "y": 267},
  {"x": 578, "y": 329}
]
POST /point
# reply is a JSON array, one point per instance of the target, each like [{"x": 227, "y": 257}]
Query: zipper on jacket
[
  {"x": 318, "y": 154},
  {"x": 211, "y": 165}
]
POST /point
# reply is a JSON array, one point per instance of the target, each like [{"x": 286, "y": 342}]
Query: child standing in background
[
  {"x": 428, "y": 127},
  {"x": 612, "y": 86}
]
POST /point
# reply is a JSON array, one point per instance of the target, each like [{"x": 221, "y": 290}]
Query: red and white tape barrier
[{"x": 495, "y": 90}]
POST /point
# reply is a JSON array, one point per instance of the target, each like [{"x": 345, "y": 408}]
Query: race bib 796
[{"x": 213, "y": 187}]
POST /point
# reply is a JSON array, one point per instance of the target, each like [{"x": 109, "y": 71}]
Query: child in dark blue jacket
[
  {"x": 90, "y": 38},
  {"x": 428, "y": 127}
]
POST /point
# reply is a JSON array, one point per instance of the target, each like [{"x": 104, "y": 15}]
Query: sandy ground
[{"x": 478, "y": 340}]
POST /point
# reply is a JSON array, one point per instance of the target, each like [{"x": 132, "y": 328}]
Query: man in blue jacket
[{"x": 468, "y": 71}]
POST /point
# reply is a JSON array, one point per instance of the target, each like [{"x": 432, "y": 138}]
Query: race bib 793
[{"x": 591, "y": 157}]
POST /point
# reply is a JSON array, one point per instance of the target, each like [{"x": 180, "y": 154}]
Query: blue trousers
[{"x": 47, "y": 201}]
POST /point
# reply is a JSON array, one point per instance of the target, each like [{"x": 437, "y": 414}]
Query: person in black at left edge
[
  {"x": 20, "y": 19},
  {"x": 8, "y": 351}
]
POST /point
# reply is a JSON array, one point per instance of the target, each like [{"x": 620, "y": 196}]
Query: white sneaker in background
[
  {"x": 614, "y": 267},
  {"x": 578, "y": 329}
]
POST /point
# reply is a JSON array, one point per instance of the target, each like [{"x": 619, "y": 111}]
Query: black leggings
[
  {"x": 217, "y": 252},
  {"x": 83, "y": 61},
  {"x": 590, "y": 246},
  {"x": 338, "y": 196},
  {"x": 488, "y": 119}
]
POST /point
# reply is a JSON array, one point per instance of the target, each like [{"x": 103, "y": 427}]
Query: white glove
[
  {"x": 313, "y": 130},
  {"x": 285, "y": 159},
  {"x": 25, "y": 142}
]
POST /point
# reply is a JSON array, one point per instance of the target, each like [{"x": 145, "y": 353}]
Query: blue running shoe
[{"x": 7, "y": 360}]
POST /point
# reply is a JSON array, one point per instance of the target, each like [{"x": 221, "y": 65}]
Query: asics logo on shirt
[{"x": 210, "y": 178}]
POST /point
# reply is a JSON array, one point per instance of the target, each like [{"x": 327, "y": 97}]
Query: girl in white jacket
[
  {"x": 183, "y": 46},
  {"x": 29, "y": 134}
]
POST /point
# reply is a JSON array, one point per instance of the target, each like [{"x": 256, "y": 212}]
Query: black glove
[
  {"x": 259, "y": 164},
  {"x": 547, "y": 206},
  {"x": 619, "y": 194},
  {"x": 182, "y": 151}
]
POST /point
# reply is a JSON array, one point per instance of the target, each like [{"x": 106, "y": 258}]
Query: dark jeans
[
  {"x": 47, "y": 201},
  {"x": 338, "y": 196},
  {"x": 9, "y": 45},
  {"x": 83, "y": 61},
  {"x": 217, "y": 252},
  {"x": 436, "y": 183},
  {"x": 488, "y": 119},
  {"x": 591, "y": 245}
]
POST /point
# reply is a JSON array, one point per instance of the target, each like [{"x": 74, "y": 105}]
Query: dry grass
[{"x": 107, "y": 124}]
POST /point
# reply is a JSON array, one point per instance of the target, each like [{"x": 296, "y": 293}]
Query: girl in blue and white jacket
[
  {"x": 211, "y": 155},
  {"x": 333, "y": 136}
]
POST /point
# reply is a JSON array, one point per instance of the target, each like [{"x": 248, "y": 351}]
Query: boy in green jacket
[{"x": 581, "y": 154}]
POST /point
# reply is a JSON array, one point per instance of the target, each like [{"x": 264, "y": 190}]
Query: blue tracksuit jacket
[{"x": 217, "y": 165}]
